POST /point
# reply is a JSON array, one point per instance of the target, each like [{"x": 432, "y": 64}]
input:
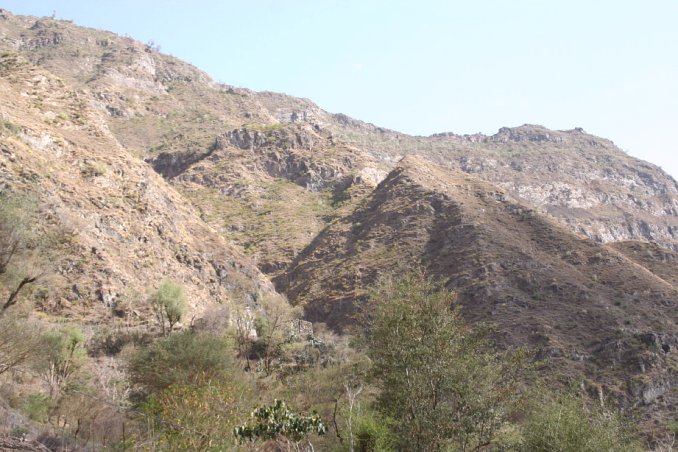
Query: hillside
[
  {"x": 155, "y": 103},
  {"x": 144, "y": 169},
  {"x": 127, "y": 229},
  {"x": 585, "y": 305}
]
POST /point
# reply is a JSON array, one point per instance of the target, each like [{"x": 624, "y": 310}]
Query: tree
[
  {"x": 273, "y": 329},
  {"x": 22, "y": 263},
  {"x": 243, "y": 324},
  {"x": 278, "y": 422},
  {"x": 65, "y": 356},
  {"x": 439, "y": 380},
  {"x": 169, "y": 302}
]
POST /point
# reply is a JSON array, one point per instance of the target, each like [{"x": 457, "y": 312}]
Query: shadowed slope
[{"x": 583, "y": 304}]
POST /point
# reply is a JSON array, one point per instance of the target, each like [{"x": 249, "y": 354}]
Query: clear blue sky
[{"x": 429, "y": 66}]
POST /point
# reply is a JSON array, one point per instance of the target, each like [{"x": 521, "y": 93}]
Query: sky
[{"x": 427, "y": 66}]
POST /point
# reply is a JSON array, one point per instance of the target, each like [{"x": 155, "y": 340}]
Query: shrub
[
  {"x": 278, "y": 422},
  {"x": 110, "y": 341},
  {"x": 36, "y": 407},
  {"x": 181, "y": 358},
  {"x": 373, "y": 433},
  {"x": 197, "y": 417},
  {"x": 19, "y": 341},
  {"x": 8, "y": 127},
  {"x": 566, "y": 423}
]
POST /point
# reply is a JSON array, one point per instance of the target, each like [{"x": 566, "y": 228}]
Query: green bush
[
  {"x": 373, "y": 433},
  {"x": 278, "y": 420},
  {"x": 36, "y": 407},
  {"x": 567, "y": 423},
  {"x": 181, "y": 358},
  {"x": 65, "y": 357}
]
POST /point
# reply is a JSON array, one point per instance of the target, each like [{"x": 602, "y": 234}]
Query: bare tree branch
[{"x": 12, "y": 299}]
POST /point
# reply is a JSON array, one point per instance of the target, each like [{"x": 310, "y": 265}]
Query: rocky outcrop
[
  {"x": 298, "y": 154},
  {"x": 171, "y": 165},
  {"x": 583, "y": 181},
  {"x": 8, "y": 444},
  {"x": 242, "y": 138},
  {"x": 524, "y": 133}
]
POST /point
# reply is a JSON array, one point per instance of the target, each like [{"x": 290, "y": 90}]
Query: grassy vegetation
[
  {"x": 273, "y": 224},
  {"x": 8, "y": 128},
  {"x": 565, "y": 422}
]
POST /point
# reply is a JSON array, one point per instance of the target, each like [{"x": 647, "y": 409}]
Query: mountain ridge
[
  {"x": 558, "y": 237},
  {"x": 540, "y": 284}
]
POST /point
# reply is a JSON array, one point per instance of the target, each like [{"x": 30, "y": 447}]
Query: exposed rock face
[
  {"x": 243, "y": 139},
  {"x": 172, "y": 164},
  {"x": 583, "y": 181}
]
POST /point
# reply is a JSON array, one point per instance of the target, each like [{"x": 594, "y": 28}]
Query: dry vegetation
[{"x": 142, "y": 206}]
